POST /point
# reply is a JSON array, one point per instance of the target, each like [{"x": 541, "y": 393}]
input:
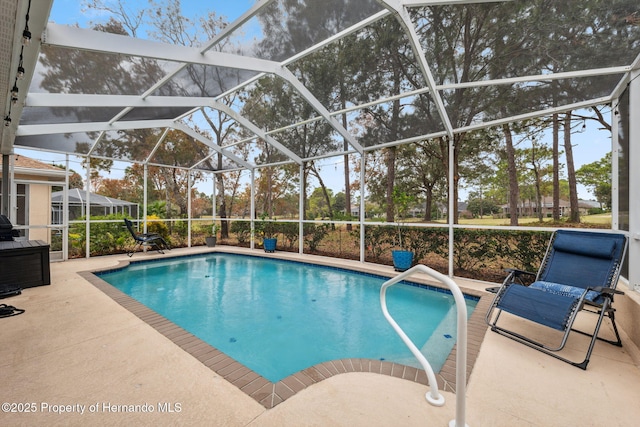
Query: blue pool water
[{"x": 279, "y": 317}]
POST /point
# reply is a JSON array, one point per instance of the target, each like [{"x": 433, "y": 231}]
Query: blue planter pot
[
  {"x": 402, "y": 260},
  {"x": 270, "y": 244}
]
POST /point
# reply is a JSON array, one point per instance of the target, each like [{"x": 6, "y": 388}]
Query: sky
[
  {"x": 71, "y": 11},
  {"x": 589, "y": 145}
]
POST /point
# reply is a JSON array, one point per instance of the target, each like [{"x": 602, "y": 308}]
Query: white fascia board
[
  {"x": 192, "y": 133},
  {"x": 32, "y": 130},
  {"x": 98, "y": 41},
  {"x": 50, "y": 173},
  {"x": 75, "y": 100}
]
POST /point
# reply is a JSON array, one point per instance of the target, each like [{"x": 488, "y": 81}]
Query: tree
[
  {"x": 122, "y": 189},
  {"x": 423, "y": 174},
  {"x": 173, "y": 27},
  {"x": 272, "y": 103},
  {"x": 556, "y": 168},
  {"x": 340, "y": 203},
  {"x": 479, "y": 205},
  {"x": 514, "y": 189},
  {"x": 574, "y": 215},
  {"x": 318, "y": 206},
  {"x": 378, "y": 58},
  {"x": 75, "y": 180},
  {"x": 596, "y": 176},
  {"x": 471, "y": 43},
  {"x": 538, "y": 158}
]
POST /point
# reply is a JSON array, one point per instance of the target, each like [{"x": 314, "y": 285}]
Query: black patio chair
[
  {"x": 152, "y": 240},
  {"x": 579, "y": 272}
]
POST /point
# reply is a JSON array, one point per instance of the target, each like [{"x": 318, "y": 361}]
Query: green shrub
[
  {"x": 242, "y": 230},
  {"x": 476, "y": 252},
  {"x": 290, "y": 231},
  {"x": 526, "y": 249},
  {"x": 474, "y": 248},
  {"x": 313, "y": 235},
  {"x": 106, "y": 237},
  {"x": 158, "y": 226}
]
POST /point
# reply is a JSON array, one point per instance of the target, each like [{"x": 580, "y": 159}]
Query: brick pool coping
[{"x": 270, "y": 394}]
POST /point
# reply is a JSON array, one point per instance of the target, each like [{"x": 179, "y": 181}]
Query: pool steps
[{"x": 433, "y": 396}]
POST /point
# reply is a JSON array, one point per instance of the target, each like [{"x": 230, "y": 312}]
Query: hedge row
[
  {"x": 474, "y": 249},
  {"x": 478, "y": 253},
  {"x": 289, "y": 231}
]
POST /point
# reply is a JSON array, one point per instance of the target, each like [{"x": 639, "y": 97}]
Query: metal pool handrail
[{"x": 433, "y": 396}]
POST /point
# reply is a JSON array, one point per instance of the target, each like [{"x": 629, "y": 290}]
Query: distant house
[
  {"x": 530, "y": 207},
  {"x": 33, "y": 183},
  {"x": 443, "y": 209},
  {"x": 418, "y": 211}
]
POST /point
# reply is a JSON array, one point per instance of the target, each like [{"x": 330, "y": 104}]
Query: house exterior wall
[
  {"x": 34, "y": 208},
  {"x": 39, "y": 205}
]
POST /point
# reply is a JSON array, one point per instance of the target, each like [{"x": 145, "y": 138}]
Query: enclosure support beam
[
  {"x": 5, "y": 185},
  {"x": 634, "y": 180},
  {"x": 13, "y": 191},
  {"x": 253, "y": 209},
  {"x": 65, "y": 211},
  {"x": 615, "y": 168},
  {"x": 363, "y": 162},
  {"x": 452, "y": 206},
  {"x": 301, "y": 212},
  {"x": 87, "y": 215},
  {"x": 189, "y": 184},
  {"x": 214, "y": 207},
  {"x": 144, "y": 199}
]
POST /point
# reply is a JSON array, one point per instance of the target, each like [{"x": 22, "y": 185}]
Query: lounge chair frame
[
  {"x": 600, "y": 305},
  {"x": 143, "y": 240}
]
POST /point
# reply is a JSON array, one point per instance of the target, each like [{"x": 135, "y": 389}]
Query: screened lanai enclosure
[
  {"x": 335, "y": 124},
  {"x": 99, "y": 205}
]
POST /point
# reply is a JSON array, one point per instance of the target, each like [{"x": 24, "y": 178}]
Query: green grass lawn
[{"x": 602, "y": 220}]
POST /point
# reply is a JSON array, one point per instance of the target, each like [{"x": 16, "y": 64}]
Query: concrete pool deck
[{"x": 77, "y": 350}]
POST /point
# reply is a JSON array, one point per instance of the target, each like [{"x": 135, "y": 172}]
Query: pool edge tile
[{"x": 270, "y": 394}]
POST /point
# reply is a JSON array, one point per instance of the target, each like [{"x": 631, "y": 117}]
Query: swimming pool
[{"x": 280, "y": 317}]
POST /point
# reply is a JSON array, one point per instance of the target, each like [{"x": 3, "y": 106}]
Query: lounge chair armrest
[
  {"x": 516, "y": 273},
  {"x": 608, "y": 291},
  {"x": 147, "y": 235}
]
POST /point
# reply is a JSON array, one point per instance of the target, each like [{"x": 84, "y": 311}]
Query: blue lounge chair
[
  {"x": 152, "y": 240},
  {"x": 580, "y": 271}
]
